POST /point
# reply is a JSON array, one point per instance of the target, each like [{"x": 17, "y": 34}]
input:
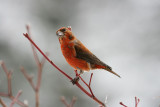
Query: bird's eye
[{"x": 63, "y": 30}]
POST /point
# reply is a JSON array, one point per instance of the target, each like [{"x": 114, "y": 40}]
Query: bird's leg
[
  {"x": 81, "y": 72},
  {"x": 76, "y": 79}
]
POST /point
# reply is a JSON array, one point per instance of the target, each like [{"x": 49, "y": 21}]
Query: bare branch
[
  {"x": 8, "y": 74},
  {"x": 64, "y": 101},
  {"x": 136, "y": 101},
  {"x": 9, "y": 94},
  {"x": 85, "y": 82},
  {"x": 74, "y": 99},
  {"x": 122, "y": 104},
  {"x": 44, "y": 60},
  {"x": 16, "y": 98},
  {"x": 90, "y": 79},
  {"x": 33, "y": 48},
  {"x": 28, "y": 77},
  {"x": 71, "y": 103},
  {"x": 2, "y": 103}
]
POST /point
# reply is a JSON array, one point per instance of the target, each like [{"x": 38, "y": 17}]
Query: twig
[
  {"x": 71, "y": 103},
  {"x": 40, "y": 65},
  {"x": 77, "y": 84},
  {"x": 16, "y": 98},
  {"x": 9, "y": 94},
  {"x": 136, "y": 101},
  {"x": 85, "y": 82},
  {"x": 122, "y": 104},
  {"x": 8, "y": 74},
  {"x": 33, "y": 49},
  {"x": 2, "y": 103},
  {"x": 28, "y": 77},
  {"x": 64, "y": 101},
  {"x": 74, "y": 99}
]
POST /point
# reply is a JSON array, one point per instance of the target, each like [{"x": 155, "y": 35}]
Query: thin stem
[
  {"x": 4, "y": 95},
  {"x": 9, "y": 83},
  {"x": 85, "y": 82},
  {"x": 64, "y": 101},
  {"x": 39, "y": 77},
  {"x": 9, "y": 94},
  {"x": 16, "y": 98},
  {"x": 37, "y": 98},
  {"x": 29, "y": 78},
  {"x": 74, "y": 99},
  {"x": 90, "y": 79},
  {"x": 122, "y": 104},
  {"x": 136, "y": 101},
  {"x": 33, "y": 48},
  {"x": 8, "y": 74},
  {"x": 90, "y": 85},
  {"x": 2, "y": 103}
]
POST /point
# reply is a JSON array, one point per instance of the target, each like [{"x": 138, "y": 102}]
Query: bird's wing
[{"x": 84, "y": 54}]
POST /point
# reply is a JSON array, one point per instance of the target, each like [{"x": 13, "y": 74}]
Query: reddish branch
[
  {"x": 15, "y": 99},
  {"x": 40, "y": 64},
  {"x": 70, "y": 104},
  {"x": 2, "y": 103},
  {"x": 137, "y": 100},
  {"x": 122, "y": 104},
  {"x": 90, "y": 94},
  {"x": 9, "y": 94},
  {"x": 88, "y": 85}
]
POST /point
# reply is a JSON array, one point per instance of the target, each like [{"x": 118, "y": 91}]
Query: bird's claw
[{"x": 75, "y": 80}]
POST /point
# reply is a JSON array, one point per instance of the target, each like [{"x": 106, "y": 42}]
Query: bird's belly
[{"x": 75, "y": 62}]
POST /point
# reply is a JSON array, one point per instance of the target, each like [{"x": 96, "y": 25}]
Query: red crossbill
[{"x": 77, "y": 55}]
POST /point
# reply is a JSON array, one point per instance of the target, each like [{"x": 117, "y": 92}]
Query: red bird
[{"x": 77, "y": 55}]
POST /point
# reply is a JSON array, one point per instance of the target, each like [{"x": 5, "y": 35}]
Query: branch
[
  {"x": 2, "y": 103},
  {"x": 122, "y": 104},
  {"x": 74, "y": 99},
  {"x": 71, "y": 103},
  {"x": 85, "y": 82},
  {"x": 16, "y": 98},
  {"x": 136, "y": 102},
  {"x": 64, "y": 101},
  {"x": 28, "y": 77},
  {"x": 40, "y": 64},
  {"x": 77, "y": 84},
  {"x": 8, "y": 74},
  {"x": 9, "y": 94}
]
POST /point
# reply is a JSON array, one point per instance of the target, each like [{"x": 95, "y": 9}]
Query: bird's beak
[{"x": 59, "y": 33}]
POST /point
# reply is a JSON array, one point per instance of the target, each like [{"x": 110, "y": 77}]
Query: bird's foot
[
  {"x": 93, "y": 96},
  {"x": 75, "y": 80}
]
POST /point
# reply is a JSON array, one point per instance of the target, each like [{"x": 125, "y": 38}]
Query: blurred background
[{"x": 125, "y": 34}]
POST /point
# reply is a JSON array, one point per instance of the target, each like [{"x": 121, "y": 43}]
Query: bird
[{"x": 77, "y": 55}]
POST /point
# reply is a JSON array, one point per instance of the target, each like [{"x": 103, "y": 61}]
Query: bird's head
[{"x": 65, "y": 33}]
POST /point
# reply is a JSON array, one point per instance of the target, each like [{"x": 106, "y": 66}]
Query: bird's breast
[
  {"x": 67, "y": 50},
  {"x": 69, "y": 53}
]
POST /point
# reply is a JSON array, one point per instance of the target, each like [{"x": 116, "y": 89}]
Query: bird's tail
[{"x": 108, "y": 68}]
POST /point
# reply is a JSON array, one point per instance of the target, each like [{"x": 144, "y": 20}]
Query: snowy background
[{"x": 123, "y": 33}]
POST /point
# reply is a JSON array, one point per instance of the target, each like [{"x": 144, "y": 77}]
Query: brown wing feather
[{"x": 86, "y": 55}]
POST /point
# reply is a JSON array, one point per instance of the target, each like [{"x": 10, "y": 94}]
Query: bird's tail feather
[{"x": 108, "y": 68}]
